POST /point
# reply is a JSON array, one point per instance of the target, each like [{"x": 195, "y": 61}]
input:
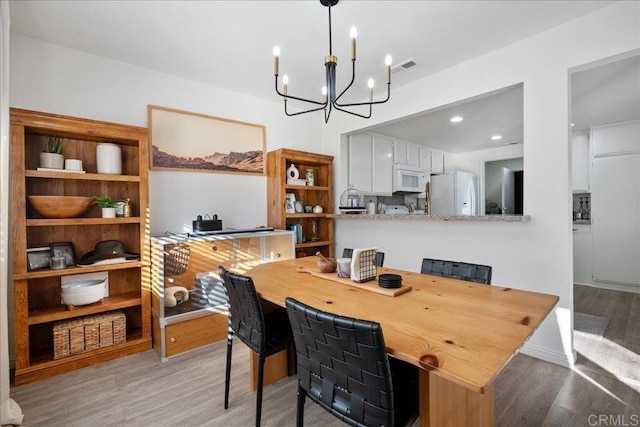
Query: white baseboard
[
  {"x": 548, "y": 356},
  {"x": 613, "y": 286}
]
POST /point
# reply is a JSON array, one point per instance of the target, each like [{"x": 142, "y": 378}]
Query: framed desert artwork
[{"x": 186, "y": 141}]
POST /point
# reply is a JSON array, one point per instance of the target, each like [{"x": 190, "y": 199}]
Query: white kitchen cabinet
[
  {"x": 437, "y": 162},
  {"x": 615, "y": 203},
  {"x": 582, "y": 250},
  {"x": 425, "y": 160},
  {"x": 406, "y": 153},
  {"x": 399, "y": 152},
  {"x": 580, "y": 163},
  {"x": 370, "y": 164},
  {"x": 617, "y": 138},
  {"x": 382, "y": 166},
  {"x": 413, "y": 154},
  {"x": 449, "y": 163},
  {"x": 360, "y": 162}
]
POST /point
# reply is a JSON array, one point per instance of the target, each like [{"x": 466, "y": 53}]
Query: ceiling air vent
[{"x": 403, "y": 66}]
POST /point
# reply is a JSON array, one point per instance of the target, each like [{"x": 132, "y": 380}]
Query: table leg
[
  {"x": 443, "y": 403},
  {"x": 275, "y": 368}
]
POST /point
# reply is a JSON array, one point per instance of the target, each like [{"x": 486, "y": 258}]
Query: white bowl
[{"x": 84, "y": 292}]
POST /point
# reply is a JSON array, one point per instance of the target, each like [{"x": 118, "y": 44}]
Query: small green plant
[
  {"x": 105, "y": 202},
  {"x": 54, "y": 145}
]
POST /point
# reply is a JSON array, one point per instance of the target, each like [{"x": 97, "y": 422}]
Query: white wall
[
  {"x": 51, "y": 78},
  {"x": 534, "y": 255}
]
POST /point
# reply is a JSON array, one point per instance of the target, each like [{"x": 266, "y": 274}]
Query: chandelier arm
[
  {"x": 353, "y": 77},
  {"x": 296, "y": 98},
  {"x": 355, "y": 114},
  {"x": 300, "y": 112},
  {"x": 355, "y": 104}
]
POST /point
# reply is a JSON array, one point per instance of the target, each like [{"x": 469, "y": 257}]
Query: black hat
[{"x": 107, "y": 250}]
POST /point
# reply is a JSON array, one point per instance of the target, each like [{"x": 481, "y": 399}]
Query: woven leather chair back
[
  {"x": 342, "y": 365},
  {"x": 245, "y": 313},
  {"x": 477, "y": 273}
]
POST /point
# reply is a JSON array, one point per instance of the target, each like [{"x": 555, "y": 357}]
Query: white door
[{"x": 508, "y": 192}]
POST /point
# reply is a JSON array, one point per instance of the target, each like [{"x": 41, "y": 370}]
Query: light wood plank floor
[{"x": 188, "y": 390}]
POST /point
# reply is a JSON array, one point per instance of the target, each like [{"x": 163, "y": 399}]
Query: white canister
[{"x": 109, "y": 158}]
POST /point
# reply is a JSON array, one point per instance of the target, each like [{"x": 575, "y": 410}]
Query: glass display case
[{"x": 189, "y": 303}]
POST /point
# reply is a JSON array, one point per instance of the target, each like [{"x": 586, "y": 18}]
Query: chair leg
[
  {"x": 259, "y": 391},
  {"x": 228, "y": 372},
  {"x": 300, "y": 406}
]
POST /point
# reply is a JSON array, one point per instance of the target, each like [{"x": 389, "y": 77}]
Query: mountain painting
[{"x": 195, "y": 142}]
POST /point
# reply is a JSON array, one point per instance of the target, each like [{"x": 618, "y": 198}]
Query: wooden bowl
[{"x": 60, "y": 206}]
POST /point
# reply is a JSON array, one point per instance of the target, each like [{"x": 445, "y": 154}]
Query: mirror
[{"x": 489, "y": 136}]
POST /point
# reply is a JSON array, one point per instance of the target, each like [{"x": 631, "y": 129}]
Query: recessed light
[
  {"x": 572, "y": 124},
  {"x": 456, "y": 119},
  {"x": 496, "y": 137}
]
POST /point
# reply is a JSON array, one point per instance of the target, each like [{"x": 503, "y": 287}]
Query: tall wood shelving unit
[
  {"x": 321, "y": 194},
  {"x": 37, "y": 294}
]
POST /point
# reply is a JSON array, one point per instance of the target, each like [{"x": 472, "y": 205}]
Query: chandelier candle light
[{"x": 329, "y": 98}]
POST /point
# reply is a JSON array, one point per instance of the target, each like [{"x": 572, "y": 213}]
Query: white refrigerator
[{"x": 454, "y": 194}]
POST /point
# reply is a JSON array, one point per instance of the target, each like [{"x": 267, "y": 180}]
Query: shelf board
[
  {"x": 306, "y": 215},
  {"x": 314, "y": 244},
  {"x": 306, "y": 188},
  {"x": 44, "y": 359},
  {"x": 39, "y": 274},
  {"x": 30, "y": 173},
  {"x": 60, "y": 312},
  {"x": 39, "y": 222}
]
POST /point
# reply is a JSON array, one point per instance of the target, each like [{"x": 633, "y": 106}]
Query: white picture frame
[{"x": 289, "y": 203}]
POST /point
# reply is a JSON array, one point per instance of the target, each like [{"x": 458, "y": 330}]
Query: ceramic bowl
[
  {"x": 60, "y": 206},
  {"x": 84, "y": 292}
]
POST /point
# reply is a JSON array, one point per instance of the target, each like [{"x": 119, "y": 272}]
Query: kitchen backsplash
[{"x": 399, "y": 199}]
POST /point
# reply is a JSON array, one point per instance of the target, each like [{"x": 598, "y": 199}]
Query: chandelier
[{"x": 330, "y": 98}]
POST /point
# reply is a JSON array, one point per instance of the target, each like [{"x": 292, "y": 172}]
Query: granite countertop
[{"x": 422, "y": 217}]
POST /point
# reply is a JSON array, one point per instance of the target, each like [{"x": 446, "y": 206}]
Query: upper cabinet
[
  {"x": 405, "y": 153},
  {"x": 580, "y": 163},
  {"x": 618, "y": 138},
  {"x": 370, "y": 164}
]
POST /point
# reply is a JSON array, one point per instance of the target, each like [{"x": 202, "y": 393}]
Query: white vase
[
  {"x": 109, "y": 158},
  {"x": 108, "y": 212},
  {"x": 51, "y": 161}
]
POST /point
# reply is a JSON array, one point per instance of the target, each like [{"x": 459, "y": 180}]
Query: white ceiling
[{"x": 229, "y": 43}]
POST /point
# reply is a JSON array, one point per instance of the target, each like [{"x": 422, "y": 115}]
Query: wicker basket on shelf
[{"x": 89, "y": 333}]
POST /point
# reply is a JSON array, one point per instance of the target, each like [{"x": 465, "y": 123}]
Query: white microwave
[{"x": 408, "y": 179}]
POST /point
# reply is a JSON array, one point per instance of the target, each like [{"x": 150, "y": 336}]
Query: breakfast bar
[{"x": 460, "y": 334}]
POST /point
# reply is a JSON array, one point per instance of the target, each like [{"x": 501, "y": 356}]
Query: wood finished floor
[{"x": 188, "y": 390}]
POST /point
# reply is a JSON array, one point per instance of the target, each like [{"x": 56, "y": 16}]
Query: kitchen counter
[{"x": 422, "y": 217}]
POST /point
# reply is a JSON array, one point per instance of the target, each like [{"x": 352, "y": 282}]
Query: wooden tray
[{"x": 367, "y": 286}]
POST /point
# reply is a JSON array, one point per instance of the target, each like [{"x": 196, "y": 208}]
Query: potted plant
[
  {"x": 108, "y": 206},
  {"x": 51, "y": 156}
]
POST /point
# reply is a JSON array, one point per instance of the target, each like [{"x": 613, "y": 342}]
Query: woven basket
[{"x": 88, "y": 333}]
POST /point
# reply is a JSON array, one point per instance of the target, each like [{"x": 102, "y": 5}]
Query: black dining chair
[
  {"x": 477, "y": 273},
  {"x": 343, "y": 366},
  {"x": 378, "y": 261},
  {"x": 264, "y": 333}
]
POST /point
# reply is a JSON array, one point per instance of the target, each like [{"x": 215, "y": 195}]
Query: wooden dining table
[{"x": 461, "y": 334}]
